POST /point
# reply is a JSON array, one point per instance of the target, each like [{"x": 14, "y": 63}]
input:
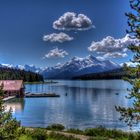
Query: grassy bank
[
  {"x": 41, "y": 134},
  {"x": 58, "y": 132}
]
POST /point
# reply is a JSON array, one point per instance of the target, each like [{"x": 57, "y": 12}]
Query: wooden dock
[{"x": 40, "y": 95}]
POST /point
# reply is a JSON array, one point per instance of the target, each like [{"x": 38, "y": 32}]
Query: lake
[{"x": 87, "y": 104}]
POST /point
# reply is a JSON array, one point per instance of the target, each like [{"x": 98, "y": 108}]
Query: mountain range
[{"x": 74, "y": 67}]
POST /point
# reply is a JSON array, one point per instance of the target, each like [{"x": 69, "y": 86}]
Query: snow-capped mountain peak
[
  {"x": 74, "y": 67},
  {"x": 7, "y": 65},
  {"x": 79, "y": 66}
]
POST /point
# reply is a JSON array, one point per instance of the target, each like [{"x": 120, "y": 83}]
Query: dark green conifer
[{"x": 131, "y": 115}]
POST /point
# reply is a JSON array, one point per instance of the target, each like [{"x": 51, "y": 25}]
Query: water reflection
[
  {"x": 17, "y": 105},
  {"x": 87, "y": 104}
]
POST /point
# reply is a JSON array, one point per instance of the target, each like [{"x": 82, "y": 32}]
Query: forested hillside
[
  {"x": 16, "y": 74},
  {"x": 113, "y": 74}
]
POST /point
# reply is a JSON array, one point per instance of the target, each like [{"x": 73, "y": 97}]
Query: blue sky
[{"x": 23, "y": 23}]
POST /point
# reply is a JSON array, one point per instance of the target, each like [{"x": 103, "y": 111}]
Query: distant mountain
[
  {"x": 79, "y": 66},
  {"x": 6, "y": 66},
  {"x": 9, "y": 73},
  {"x": 29, "y": 68},
  {"x": 75, "y": 67}
]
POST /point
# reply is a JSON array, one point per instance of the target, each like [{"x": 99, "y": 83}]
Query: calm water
[{"x": 87, "y": 104}]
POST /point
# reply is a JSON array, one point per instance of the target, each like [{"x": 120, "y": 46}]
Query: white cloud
[
  {"x": 110, "y": 46},
  {"x": 60, "y": 37},
  {"x": 72, "y": 21},
  {"x": 55, "y": 53},
  {"x": 130, "y": 64},
  {"x": 115, "y": 55}
]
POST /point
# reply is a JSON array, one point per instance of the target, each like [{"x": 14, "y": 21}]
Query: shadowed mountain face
[
  {"x": 75, "y": 67},
  {"x": 79, "y": 66}
]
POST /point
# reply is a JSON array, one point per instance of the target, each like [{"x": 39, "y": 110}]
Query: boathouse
[{"x": 13, "y": 87}]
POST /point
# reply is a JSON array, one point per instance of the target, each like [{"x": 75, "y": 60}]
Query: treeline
[
  {"x": 17, "y": 74},
  {"x": 113, "y": 74}
]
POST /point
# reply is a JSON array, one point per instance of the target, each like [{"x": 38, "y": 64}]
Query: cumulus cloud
[
  {"x": 72, "y": 21},
  {"x": 56, "y": 53},
  {"x": 110, "y": 46},
  {"x": 60, "y": 37}
]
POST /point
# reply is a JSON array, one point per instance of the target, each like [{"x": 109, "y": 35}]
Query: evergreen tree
[
  {"x": 17, "y": 74},
  {"x": 8, "y": 126},
  {"x": 131, "y": 115}
]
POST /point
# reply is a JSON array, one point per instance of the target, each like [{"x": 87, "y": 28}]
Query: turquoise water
[{"x": 87, "y": 104}]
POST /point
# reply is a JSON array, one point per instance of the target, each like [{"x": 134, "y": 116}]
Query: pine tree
[
  {"x": 8, "y": 126},
  {"x": 131, "y": 115}
]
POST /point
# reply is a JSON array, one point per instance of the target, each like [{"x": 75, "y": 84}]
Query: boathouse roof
[{"x": 12, "y": 85}]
